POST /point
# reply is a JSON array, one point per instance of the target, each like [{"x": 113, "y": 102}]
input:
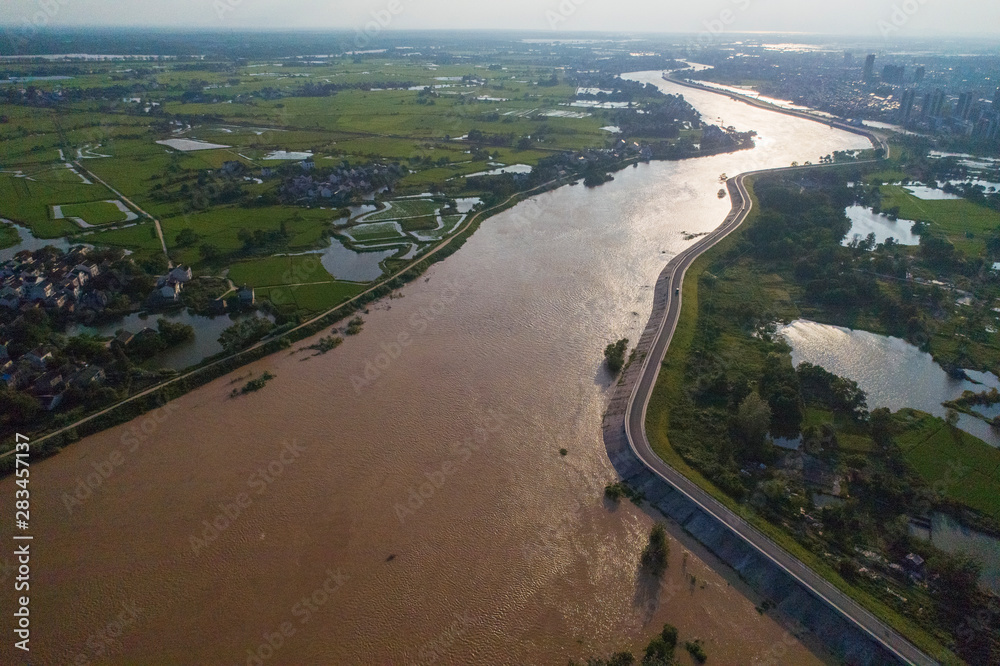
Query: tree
[
  {"x": 18, "y": 408},
  {"x": 174, "y": 333},
  {"x": 187, "y": 238},
  {"x": 614, "y": 354},
  {"x": 660, "y": 650},
  {"x": 208, "y": 251},
  {"x": 753, "y": 420},
  {"x": 657, "y": 551}
]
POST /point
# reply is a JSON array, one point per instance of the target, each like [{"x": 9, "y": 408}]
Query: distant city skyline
[{"x": 885, "y": 19}]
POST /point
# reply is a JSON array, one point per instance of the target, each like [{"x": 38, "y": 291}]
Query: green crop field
[
  {"x": 139, "y": 237},
  {"x": 381, "y": 112},
  {"x": 311, "y": 299},
  {"x": 274, "y": 271},
  {"x": 401, "y": 208},
  {"x": 220, "y": 227},
  {"x": 29, "y": 202},
  {"x": 955, "y": 217},
  {"x": 95, "y": 213},
  {"x": 375, "y": 231},
  {"x": 426, "y": 223},
  {"x": 960, "y": 466}
]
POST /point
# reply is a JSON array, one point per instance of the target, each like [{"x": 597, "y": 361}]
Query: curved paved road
[{"x": 672, "y": 278}]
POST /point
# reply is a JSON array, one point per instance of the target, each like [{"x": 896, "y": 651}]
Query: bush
[
  {"x": 614, "y": 354},
  {"x": 657, "y": 551},
  {"x": 697, "y": 650},
  {"x": 354, "y": 326}
]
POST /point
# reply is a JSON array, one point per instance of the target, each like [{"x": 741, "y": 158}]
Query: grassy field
[
  {"x": 275, "y": 271},
  {"x": 955, "y": 217},
  {"x": 95, "y": 213},
  {"x": 402, "y": 208},
  {"x": 29, "y": 202},
  {"x": 958, "y": 465},
  {"x": 375, "y": 231},
  {"x": 426, "y": 223},
  {"x": 220, "y": 228},
  {"x": 313, "y": 298},
  {"x": 141, "y": 237},
  {"x": 8, "y": 236}
]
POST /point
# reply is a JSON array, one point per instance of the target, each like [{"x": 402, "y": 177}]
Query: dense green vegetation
[
  {"x": 657, "y": 551},
  {"x": 354, "y": 326},
  {"x": 619, "y": 489},
  {"x": 326, "y": 345},
  {"x": 253, "y": 385},
  {"x": 8, "y": 236},
  {"x": 728, "y": 385},
  {"x": 614, "y": 355},
  {"x": 660, "y": 651}
]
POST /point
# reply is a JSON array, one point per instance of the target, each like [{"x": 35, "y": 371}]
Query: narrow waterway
[
  {"x": 892, "y": 372},
  {"x": 402, "y": 499}
]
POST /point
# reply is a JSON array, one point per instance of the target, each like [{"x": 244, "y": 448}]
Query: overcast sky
[{"x": 869, "y": 18}]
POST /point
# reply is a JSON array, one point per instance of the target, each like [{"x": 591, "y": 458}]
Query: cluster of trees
[
  {"x": 147, "y": 344},
  {"x": 477, "y": 137},
  {"x": 664, "y": 117},
  {"x": 660, "y": 651},
  {"x": 245, "y": 333}
]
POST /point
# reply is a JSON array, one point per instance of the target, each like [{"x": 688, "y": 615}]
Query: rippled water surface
[{"x": 452, "y": 539}]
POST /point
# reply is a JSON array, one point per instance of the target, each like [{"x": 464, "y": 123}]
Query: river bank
[
  {"x": 724, "y": 343},
  {"x": 510, "y": 536}
]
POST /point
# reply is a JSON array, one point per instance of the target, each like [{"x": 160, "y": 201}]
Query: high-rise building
[
  {"x": 937, "y": 103},
  {"x": 869, "y": 70},
  {"x": 906, "y": 104},
  {"x": 996, "y": 100},
  {"x": 920, "y": 74},
  {"x": 964, "y": 108},
  {"x": 848, "y": 58},
  {"x": 925, "y": 108},
  {"x": 893, "y": 74}
]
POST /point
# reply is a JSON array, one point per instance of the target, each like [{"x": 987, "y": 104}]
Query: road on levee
[{"x": 635, "y": 431}]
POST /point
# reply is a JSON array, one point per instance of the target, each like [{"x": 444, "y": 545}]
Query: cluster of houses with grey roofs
[
  {"x": 56, "y": 281},
  {"x": 72, "y": 284},
  {"x": 68, "y": 282}
]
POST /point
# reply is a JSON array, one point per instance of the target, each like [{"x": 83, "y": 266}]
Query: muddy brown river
[{"x": 402, "y": 499}]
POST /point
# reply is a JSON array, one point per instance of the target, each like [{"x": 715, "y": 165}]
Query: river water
[{"x": 402, "y": 499}]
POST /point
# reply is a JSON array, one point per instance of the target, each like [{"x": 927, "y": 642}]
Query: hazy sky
[{"x": 870, "y": 18}]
